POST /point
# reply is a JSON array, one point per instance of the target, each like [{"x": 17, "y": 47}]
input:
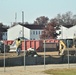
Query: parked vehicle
[{"x": 7, "y": 48}]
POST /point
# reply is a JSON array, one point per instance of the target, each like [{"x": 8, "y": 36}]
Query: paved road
[{"x": 32, "y": 70}]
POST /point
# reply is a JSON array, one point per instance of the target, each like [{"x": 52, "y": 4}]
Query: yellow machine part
[{"x": 62, "y": 46}]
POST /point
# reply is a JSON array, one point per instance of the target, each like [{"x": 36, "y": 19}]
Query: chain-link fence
[{"x": 43, "y": 58}]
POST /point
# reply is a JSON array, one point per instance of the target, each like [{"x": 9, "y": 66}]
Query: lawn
[{"x": 61, "y": 71}]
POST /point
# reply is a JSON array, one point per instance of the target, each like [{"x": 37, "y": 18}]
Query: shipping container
[
  {"x": 8, "y": 42},
  {"x": 51, "y": 44},
  {"x": 36, "y": 44}
]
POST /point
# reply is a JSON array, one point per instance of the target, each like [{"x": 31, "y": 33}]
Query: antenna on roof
[
  {"x": 15, "y": 17},
  {"x": 22, "y": 23},
  {"x": 22, "y": 17}
]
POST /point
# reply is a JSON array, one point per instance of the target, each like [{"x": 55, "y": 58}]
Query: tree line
[{"x": 51, "y": 25}]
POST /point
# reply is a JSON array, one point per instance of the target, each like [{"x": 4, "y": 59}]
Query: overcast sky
[{"x": 33, "y": 9}]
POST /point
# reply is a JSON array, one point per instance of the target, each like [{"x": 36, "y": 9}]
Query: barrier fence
[{"x": 43, "y": 58}]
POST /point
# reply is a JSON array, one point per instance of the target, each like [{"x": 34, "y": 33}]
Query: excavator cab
[
  {"x": 74, "y": 43},
  {"x": 69, "y": 43}
]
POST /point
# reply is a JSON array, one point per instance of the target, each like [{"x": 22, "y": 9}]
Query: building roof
[
  {"x": 33, "y": 26},
  {"x": 30, "y": 26},
  {"x": 3, "y": 30},
  {"x": 68, "y": 26}
]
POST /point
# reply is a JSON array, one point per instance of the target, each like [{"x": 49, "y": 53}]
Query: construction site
[{"x": 54, "y": 51}]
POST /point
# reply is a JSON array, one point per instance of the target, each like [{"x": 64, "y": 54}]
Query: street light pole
[
  {"x": 44, "y": 50},
  {"x": 23, "y": 35},
  {"x": 44, "y": 53},
  {"x": 4, "y": 57}
]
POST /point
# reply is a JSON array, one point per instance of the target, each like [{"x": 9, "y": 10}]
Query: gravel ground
[{"x": 32, "y": 70}]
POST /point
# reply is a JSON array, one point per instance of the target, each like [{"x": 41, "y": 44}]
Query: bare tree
[
  {"x": 65, "y": 19},
  {"x": 3, "y": 28},
  {"x": 49, "y": 32},
  {"x": 41, "y": 20}
]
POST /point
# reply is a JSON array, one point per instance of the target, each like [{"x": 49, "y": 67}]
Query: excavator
[
  {"x": 62, "y": 46},
  {"x": 65, "y": 46}
]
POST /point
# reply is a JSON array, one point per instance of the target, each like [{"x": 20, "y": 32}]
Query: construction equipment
[
  {"x": 67, "y": 45},
  {"x": 62, "y": 46},
  {"x": 31, "y": 52}
]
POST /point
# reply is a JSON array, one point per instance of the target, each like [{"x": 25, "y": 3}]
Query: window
[
  {"x": 3, "y": 33},
  {"x": 6, "y": 34},
  {"x": 59, "y": 32},
  {"x": 36, "y": 32},
  {"x": 39, "y": 32},
  {"x": 33, "y": 32},
  {"x": 33, "y": 38}
]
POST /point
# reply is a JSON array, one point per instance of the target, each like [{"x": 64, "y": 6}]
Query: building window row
[
  {"x": 32, "y": 38},
  {"x": 36, "y": 32}
]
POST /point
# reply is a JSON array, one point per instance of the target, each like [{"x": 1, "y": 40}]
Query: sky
[{"x": 33, "y": 9}]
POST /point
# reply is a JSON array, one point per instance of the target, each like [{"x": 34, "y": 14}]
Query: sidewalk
[{"x": 32, "y": 70}]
